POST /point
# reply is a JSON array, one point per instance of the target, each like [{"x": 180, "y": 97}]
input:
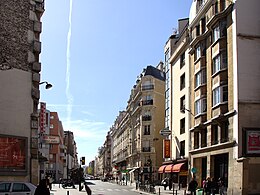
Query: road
[{"x": 98, "y": 188}]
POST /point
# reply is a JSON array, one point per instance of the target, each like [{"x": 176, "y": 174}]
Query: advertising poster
[{"x": 12, "y": 153}]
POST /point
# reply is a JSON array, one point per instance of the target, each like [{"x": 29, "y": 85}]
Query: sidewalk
[{"x": 159, "y": 190}]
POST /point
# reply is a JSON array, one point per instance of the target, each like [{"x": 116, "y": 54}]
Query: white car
[{"x": 16, "y": 188}]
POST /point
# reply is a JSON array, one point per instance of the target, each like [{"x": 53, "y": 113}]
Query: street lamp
[
  {"x": 47, "y": 86},
  {"x": 185, "y": 109}
]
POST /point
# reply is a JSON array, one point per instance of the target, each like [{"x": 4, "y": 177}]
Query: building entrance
[{"x": 221, "y": 167}]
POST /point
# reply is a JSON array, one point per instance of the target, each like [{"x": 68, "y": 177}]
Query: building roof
[{"x": 158, "y": 74}]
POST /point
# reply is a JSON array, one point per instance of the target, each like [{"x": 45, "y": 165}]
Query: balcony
[
  {"x": 147, "y": 87},
  {"x": 146, "y": 149},
  {"x": 146, "y": 118},
  {"x": 147, "y": 102}
]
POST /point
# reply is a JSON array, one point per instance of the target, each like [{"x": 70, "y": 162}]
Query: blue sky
[{"x": 92, "y": 53}]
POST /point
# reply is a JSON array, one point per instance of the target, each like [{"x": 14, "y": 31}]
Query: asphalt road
[{"x": 98, "y": 188}]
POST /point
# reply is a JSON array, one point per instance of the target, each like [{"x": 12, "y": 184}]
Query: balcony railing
[
  {"x": 147, "y": 102},
  {"x": 146, "y": 118},
  {"x": 147, "y": 87},
  {"x": 146, "y": 149}
]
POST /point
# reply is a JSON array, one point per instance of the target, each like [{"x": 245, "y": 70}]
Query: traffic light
[{"x": 83, "y": 160}]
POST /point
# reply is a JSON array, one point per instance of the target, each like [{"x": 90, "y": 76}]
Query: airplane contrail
[{"x": 68, "y": 94}]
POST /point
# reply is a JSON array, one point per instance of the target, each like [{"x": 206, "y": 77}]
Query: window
[
  {"x": 197, "y": 53},
  {"x": 5, "y": 187},
  {"x": 20, "y": 187},
  {"x": 147, "y": 130},
  {"x": 214, "y": 134},
  {"x": 203, "y": 25},
  {"x": 200, "y": 106},
  {"x": 220, "y": 95},
  {"x": 182, "y": 60},
  {"x": 196, "y": 139},
  {"x": 51, "y": 117},
  {"x": 51, "y": 156},
  {"x": 182, "y": 81},
  {"x": 216, "y": 34},
  {"x": 51, "y": 126},
  {"x": 203, "y": 137},
  {"x": 167, "y": 117},
  {"x": 224, "y": 133},
  {"x": 182, "y": 126},
  {"x": 220, "y": 62},
  {"x": 182, "y": 103},
  {"x": 182, "y": 148},
  {"x": 197, "y": 30},
  {"x": 200, "y": 78}
]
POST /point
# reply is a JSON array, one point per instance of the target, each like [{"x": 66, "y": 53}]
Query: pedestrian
[
  {"x": 165, "y": 183},
  {"x": 193, "y": 186},
  {"x": 123, "y": 180},
  {"x": 214, "y": 186},
  {"x": 208, "y": 186},
  {"x": 170, "y": 184},
  {"x": 42, "y": 188},
  {"x": 88, "y": 190},
  {"x": 221, "y": 186},
  {"x": 203, "y": 186}
]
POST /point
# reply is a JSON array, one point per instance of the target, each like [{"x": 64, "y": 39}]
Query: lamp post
[{"x": 47, "y": 86}]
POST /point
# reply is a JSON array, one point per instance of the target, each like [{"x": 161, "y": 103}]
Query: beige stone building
[
  {"x": 137, "y": 144},
  {"x": 20, "y": 48},
  {"x": 225, "y": 131},
  {"x": 177, "y": 93}
]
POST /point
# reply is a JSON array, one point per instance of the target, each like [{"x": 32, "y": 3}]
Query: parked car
[{"x": 16, "y": 187}]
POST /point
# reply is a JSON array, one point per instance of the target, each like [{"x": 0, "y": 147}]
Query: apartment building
[
  {"x": 225, "y": 97},
  {"x": 20, "y": 68},
  {"x": 71, "y": 154},
  {"x": 177, "y": 97},
  {"x": 137, "y": 144},
  {"x": 55, "y": 140}
]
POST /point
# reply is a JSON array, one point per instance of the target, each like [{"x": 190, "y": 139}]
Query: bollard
[
  {"x": 159, "y": 191},
  {"x": 184, "y": 193},
  {"x": 176, "y": 192},
  {"x": 173, "y": 186},
  {"x": 68, "y": 192}
]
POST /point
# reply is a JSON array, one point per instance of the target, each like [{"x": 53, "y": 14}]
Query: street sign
[
  {"x": 193, "y": 170},
  {"x": 165, "y": 132}
]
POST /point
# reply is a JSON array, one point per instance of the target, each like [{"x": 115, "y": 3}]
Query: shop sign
[
  {"x": 51, "y": 139},
  {"x": 167, "y": 148},
  {"x": 183, "y": 173}
]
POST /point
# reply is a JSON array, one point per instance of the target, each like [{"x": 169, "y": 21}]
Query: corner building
[
  {"x": 20, "y": 68},
  {"x": 225, "y": 93}
]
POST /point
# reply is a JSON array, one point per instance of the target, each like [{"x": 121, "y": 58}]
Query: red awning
[
  {"x": 161, "y": 169},
  {"x": 177, "y": 167},
  {"x": 168, "y": 168}
]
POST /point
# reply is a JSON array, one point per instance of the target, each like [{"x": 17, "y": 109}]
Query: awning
[
  {"x": 177, "y": 167},
  {"x": 168, "y": 168},
  {"x": 161, "y": 169}
]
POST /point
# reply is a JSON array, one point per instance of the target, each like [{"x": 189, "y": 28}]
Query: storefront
[{"x": 176, "y": 172}]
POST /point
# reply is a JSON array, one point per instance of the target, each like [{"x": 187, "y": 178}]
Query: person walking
[
  {"x": 165, "y": 183},
  {"x": 193, "y": 186},
  {"x": 207, "y": 186},
  {"x": 42, "y": 188},
  {"x": 170, "y": 184},
  {"x": 221, "y": 186}
]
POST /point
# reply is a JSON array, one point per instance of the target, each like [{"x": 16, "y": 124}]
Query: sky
[{"x": 92, "y": 53}]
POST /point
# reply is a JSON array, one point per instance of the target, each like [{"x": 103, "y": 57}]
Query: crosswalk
[{"x": 102, "y": 190}]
